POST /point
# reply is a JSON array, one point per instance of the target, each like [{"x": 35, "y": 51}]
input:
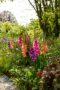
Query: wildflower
[
  {"x": 39, "y": 74},
  {"x": 19, "y": 40},
  {"x": 4, "y": 39},
  {"x": 27, "y": 37},
  {"x": 8, "y": 44},
  {"x": 32, "y": 54},
  {"x": 36, "y": 47},
  {"x": 24, "y": 49},
  {"x": 11, "y": 44},
  {"x": 44, "y": 47}
]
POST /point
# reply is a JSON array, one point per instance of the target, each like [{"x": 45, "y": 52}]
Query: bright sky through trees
[{"x": 21, "y": 9}]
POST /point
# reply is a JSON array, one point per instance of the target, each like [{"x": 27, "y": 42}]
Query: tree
[
  {"x": 7, "y": 16},
  {"x": 43, "y": 8}
]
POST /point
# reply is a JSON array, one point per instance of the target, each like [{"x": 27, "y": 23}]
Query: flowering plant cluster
[
  {"x": 29, "y": 52},
  {"x": 26, "y": 59},
  {"x": 28, "y": 48}
]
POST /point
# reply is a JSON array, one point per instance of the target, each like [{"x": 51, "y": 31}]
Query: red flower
[{"x": 39, "y": 74}]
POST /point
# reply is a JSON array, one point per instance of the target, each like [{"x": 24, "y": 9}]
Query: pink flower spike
[
  {"x": 19, "y": 40},
  {"x": 36, "y": 47}
]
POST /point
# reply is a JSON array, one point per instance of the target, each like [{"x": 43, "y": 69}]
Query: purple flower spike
[
  {"x": 8, "y": 44},
  {"x": 32, "y": 54},
  {"x": 4, "y": 39}
]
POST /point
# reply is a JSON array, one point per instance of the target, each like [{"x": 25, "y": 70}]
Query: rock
[{"x": 6, "y": 84}]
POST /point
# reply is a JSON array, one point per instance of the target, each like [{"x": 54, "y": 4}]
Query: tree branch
[{"x": 32, "y": 4}]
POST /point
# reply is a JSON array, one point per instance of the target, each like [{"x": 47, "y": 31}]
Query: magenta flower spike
[
  {"x": 19, "y": 40},
  {"x": 36, "y": 47}
]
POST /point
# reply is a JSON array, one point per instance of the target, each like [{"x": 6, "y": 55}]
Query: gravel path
[{"x": 6, "y": 84}]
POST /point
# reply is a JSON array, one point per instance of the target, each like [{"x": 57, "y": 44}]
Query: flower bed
[{"x": 23, "y": 60}]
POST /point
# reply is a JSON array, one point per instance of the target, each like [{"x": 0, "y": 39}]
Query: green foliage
[
  {"x": 7, "y": 30},
  {"x": 10, "y": 29},
  {"x": 48, "y": 18},
  {"x": 34, "y": 29},
  {"x": 48, "y": 12},
  {"x": 54, "y": 52},
  {"x": 5, "y": 61}
]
